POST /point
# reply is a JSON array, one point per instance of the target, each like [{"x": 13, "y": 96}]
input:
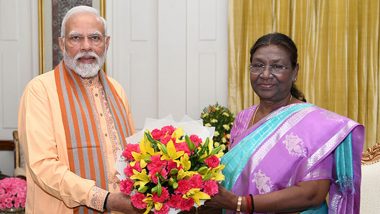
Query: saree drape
[
  {"x": 331, "y": 151},
  {"x": 338, "y": 46}
]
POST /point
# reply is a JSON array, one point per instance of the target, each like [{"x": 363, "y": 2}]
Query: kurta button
[
  {"x": 105, "y": 134},
  {"x": 101, "y": 114},
  {"x": 96, "y": 95}
]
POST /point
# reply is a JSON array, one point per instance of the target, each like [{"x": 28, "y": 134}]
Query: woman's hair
[{"x": 286, "y": 42}]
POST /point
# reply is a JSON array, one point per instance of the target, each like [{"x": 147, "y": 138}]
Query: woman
[{"x": 286, "y": 154}]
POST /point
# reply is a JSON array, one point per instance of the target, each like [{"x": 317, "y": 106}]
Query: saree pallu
[{"x": 295, "y": 143}]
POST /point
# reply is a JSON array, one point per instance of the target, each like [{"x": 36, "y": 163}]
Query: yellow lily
[
  {"x": 149, "y": 203},
  {"x": 178, "y": 133},
  {"x": 146, "y": 151},
  {"x": 158, "y": 205},
  {"x": 185, "y": 162},
  {"x": 214, "y": 174},
  {"x": 172, "y": 153},
  {"x": 197, "y": 195},
  {"x": 185, "y": 174},
  {"x": 141, "y": 177}
]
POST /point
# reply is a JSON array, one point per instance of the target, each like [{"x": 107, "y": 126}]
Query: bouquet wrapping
[{"x": 171, "y": 168}]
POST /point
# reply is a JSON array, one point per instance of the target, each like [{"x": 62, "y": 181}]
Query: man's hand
[{"x": 121, "y": 203}]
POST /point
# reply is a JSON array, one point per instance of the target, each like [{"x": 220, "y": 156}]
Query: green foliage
[{"x": 222, "y": 119}]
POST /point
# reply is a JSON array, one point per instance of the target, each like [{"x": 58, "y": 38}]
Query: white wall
[
  {"x": 18, "y": 64},
  {"x": 170, "y": 56}
]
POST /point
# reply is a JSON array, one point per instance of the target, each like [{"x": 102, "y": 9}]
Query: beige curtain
[{"x": 338, "y": 45}]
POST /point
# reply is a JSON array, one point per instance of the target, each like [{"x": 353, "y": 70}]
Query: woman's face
[{"x": 271, "y": 73}]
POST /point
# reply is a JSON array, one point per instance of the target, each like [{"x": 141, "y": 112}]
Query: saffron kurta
[{"x": 52, "y": 187}]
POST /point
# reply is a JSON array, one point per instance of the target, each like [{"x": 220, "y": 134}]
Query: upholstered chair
[{"x": 370, "y": 186}]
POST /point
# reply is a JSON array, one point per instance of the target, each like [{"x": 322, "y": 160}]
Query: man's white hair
[{"x": 82, "y": 9}]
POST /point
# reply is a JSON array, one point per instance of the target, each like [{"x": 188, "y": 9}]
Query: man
[{"x": 72, "y": 122}]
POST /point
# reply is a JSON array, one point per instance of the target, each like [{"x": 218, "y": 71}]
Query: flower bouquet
[
  {"x": 12, "y": 194},
  {"x": 169, "y": 170},
  {"x": 222, "y": 119}
]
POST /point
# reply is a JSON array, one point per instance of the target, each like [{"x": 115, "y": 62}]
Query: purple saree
[{"x": 295, "y": 143}]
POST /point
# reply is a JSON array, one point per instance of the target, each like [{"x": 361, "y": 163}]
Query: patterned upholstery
[{"x": 370, "y": 188}]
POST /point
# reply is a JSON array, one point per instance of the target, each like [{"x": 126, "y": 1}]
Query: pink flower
[
  {"x": 182, "y": 147},
  {"x": 129, "y": 169},
  {"x": 137, "y": 200},
  {"x": 166, "y": 139},
  {"x": 212, "y": 161},
  {"x": 175, "y": 201},
  {"x": 167, "y": 130},
  {"x": 172, "y": 165},
  {"x": 196, "y": 140},
  {"x": 156, "y": 163},
  {"x": 164, "y": 196},
  {"x": 210, "y": 187},
  {"x": 12, "y": 193},
  {"x": 156, "y": 134},
  {"x": 164, "y": 209},
  {"x": 183, "y": 187},
  {"x": 127, "y": 153},
  {"x": 155, "y": 173},
  {"x": 195, "y": 181},
  {"x": 178, "y": 202},
  {"x": 157, "y": 166},
  {"x": 186, "y": 204},
  {"x": 126, "y": 186}
]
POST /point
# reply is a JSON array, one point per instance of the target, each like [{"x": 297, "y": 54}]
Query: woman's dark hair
[{"x": 286, "y": 42}]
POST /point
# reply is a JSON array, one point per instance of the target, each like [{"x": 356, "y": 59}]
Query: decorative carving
[{"x": 371, "y": 155}]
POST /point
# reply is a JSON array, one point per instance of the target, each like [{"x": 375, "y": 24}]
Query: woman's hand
[{"x": 224, "y": 199}]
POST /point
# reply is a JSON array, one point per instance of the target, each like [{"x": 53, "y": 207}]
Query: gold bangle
[{"x": 239, "y": 204}]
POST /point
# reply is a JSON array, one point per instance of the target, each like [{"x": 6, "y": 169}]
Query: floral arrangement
[
  {"x": 222, "y": 119},
  {"x": 12, "y": 193},
  {"x": 169, "y": 170}
]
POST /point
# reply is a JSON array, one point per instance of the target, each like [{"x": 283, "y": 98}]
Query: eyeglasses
[
  {"x": 77, "y": 39},
  {"x": 258, "y": 68}
]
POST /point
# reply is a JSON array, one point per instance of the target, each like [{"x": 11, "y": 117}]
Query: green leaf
[
  {"x": 163, "y": 148},
  {"x": 159, "y": 188},
  {"x": 204, "y": 147},
  {"x": 215, "y": 151},
  {"x": 189, "y": 143}
]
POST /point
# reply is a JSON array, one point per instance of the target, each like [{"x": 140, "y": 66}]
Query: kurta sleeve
[{"x": 47, "y": 168}]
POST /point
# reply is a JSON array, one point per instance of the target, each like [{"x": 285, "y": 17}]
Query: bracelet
[
  {"x": 239, "y": 204},
  {"x": 105, "y": 201},
  {"x": 248, "y": 204},
  {"x": 252, "y": 204}
]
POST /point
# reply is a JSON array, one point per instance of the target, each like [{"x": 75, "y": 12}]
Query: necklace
[{"x": 257, "y": 109}]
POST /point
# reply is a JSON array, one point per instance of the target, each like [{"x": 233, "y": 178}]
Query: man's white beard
[{"x": 83, "y": 69}]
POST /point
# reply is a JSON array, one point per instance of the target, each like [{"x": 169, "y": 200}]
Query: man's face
[{"x": 84, "y": 45}]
